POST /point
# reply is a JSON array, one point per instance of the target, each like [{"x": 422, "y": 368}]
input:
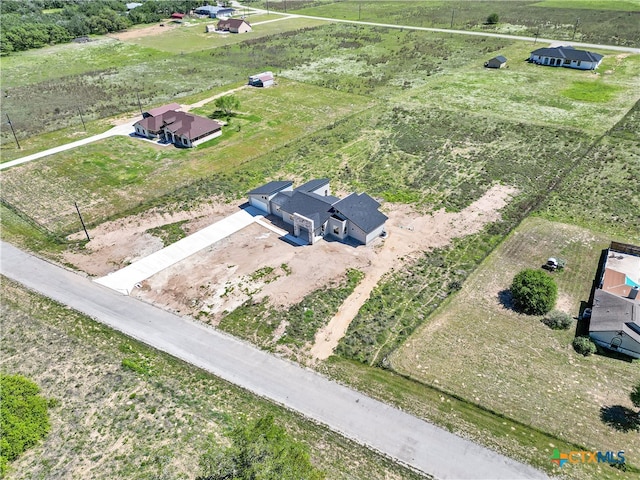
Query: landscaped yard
[{"x": 477, "y": 348}]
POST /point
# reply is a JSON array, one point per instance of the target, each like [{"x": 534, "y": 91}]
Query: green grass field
[
  {"x": 597, "y": 19},
  {"x": 406, "y": 116},
  {"x": 193, "y": 38},
  {"x": 513, "y": 364},
  {"x": 112, "y": 176}
]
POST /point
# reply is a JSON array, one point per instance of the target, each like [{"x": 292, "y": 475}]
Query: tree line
[{"x": 28, "y": 24}]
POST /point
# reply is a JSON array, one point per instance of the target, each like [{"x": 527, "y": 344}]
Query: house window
[
  {"x": 578, "y": 64},
  {"x": 567, "y": 61},
  {"x": 336, "y": 231}
]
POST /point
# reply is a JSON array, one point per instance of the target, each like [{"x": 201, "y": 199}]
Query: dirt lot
[
  {"x": 256, "y": 263},
  {"x": 145, "y": 32}
]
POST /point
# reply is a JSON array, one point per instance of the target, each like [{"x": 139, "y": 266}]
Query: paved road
[
  {"x": 125, "y": 129},
  {"x": 403, "y": 437},
  {"x": 447, "y": 30}
]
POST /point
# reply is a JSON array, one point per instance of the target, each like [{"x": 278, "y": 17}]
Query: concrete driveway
[
  {"x": 125, "y": 279},
  {"x": 124, "y": 130}
]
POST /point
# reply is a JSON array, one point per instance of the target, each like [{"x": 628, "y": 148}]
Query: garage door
[{"x": 259, "y": 204}]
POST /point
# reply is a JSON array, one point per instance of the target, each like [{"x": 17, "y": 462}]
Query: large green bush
[
  {"x": 584, "y": 346},
  {"x": 557, "y": 320},
  {"x": 259, "y": 450},
  {"x": 534, "y": 292},
  {"x": 23, "y": 417}
]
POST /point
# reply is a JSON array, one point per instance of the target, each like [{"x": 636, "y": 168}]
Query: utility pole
[
  {"x": 139, "y": 104},
  {"x": 14, "y": 132},
  {"x": 82, "y": 119},
  {"x": 537, "y": 33},
  {"x": 82, "y": 221},
  {"x": 267, "y": 7},
  {"x": 452, "y": 13},
  {"x": 359, "y": 9},
  {"x": 575, "y": 28}
]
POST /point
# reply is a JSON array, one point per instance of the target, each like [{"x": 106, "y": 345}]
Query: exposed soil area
[
  {"x": 146, "y": 31},
  {"x": 256, "y": 262}
]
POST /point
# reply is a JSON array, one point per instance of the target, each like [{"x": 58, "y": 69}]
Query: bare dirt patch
[
  {"x": 117, "y": 243},
  {"x": 256, "y": 262},
  {"x": 144, "y": 32},
  {"x": 409, "y": 234}
]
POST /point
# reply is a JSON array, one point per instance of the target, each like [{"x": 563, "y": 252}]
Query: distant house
[
  {"x": 615, "y": 316},
  {"x": 180, "y": 128},
  {"x": 566, "y": 57},
  {"x": 234, "y": 25},
  {"x": 496, "y": 62},
  {"x": 314, "y": 213},
  {"x": 177, "y": 16},
  {"x": 132, "y": 5},
  {"x": 214, "y": 11},
  {"x": 264, "y": 79}
]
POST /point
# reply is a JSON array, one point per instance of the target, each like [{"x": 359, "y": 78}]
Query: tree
[
  {"x": 227, "y": 104},
  {"x": 259, "y": 450},
  {"x": 534, "y": 292},
  {"x": 493, "y": 19},
  {"x": 23, "y": 417}
]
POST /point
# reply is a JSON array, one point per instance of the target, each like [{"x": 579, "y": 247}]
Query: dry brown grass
[{"x": 479, "y": 349}]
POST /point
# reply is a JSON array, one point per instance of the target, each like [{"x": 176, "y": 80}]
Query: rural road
[
  {"x": 403, "y": 437},
  {"x": 447, "y": 30},
  {"x": 124, "y": 129}
]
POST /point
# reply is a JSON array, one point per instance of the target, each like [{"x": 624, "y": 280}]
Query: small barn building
[
  {"x": 496, "y": 62},
  {"x": 234, "y": 25},
  {"x": 566, "y": 56},
  {"x": 177, "y": 16},
  {"x": 264, "y": 79}
]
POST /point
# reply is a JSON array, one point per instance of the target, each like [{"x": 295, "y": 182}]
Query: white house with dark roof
[
  {"x": 566, "y": 56},
  {"x": 615, "y": 315},
  {"x": 214, "y": 11},
  {"x": 314, "y": 213}
]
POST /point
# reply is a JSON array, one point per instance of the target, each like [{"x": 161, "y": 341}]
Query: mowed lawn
[
  {"x": 117, "y": 174},
  {"x": 193, "y": 37},
  {"x": 513, "y": 364}
]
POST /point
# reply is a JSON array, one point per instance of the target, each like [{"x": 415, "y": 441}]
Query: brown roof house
[
  {"x": 234, "y": 25},
  {"x": 180, "y": 128},
  {"x": 615, "y": 316}
]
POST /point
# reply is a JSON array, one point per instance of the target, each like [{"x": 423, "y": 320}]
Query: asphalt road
[
  {"x": 403, "y": 437},
  {"x": 542, "y": 41}
]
